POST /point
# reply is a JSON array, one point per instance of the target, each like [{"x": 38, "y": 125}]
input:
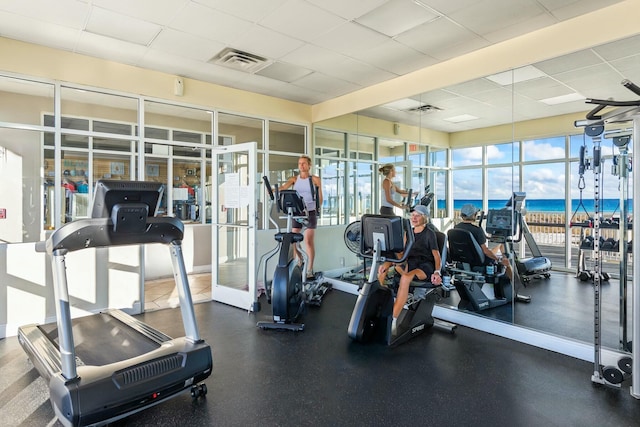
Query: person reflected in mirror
[
  {"x": 310, "y": 189},
  {"x": 468, "y": 216},
  {"x": 389, "y": 191},
  {"x": 423, "y": 261}
]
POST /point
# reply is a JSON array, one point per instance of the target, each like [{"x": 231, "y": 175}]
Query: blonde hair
[
  {"x": 307, "y": 158},
  {"x": 386, "y": 169}
]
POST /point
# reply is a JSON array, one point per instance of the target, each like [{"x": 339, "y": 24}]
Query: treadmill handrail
[{"x": 99, "y": 232}]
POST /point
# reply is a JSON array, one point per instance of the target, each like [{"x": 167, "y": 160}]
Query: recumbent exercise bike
[
  {"x": 288, "y": 292},
  {"x": 382, "y": 237},
  {"x": 481, "y": 282}
]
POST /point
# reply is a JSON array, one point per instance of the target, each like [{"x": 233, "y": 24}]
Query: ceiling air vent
[
  {"x": 426, "y": 108},
  {"x": 239, "y": 60}
]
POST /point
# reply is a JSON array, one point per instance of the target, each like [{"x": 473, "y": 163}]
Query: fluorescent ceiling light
[
  {"x": 518, "y": 75},
  {"x": 562, "y": 99},
  {"x": 461, "y": 118}
]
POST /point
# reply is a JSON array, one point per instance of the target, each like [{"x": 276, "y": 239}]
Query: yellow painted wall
[{"x": 43, "y": 62}]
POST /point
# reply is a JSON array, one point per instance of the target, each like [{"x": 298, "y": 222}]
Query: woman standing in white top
[
  {"x": 389, "y": 190},
  {"x": 312, "y": 198}
]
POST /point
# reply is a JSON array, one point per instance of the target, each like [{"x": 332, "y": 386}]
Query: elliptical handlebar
[
  {"x": 269, "y": 189},
  {"x": 273, "y": 200}
]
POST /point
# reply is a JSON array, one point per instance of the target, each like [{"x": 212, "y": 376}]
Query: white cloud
[{"x": 535, "y": 150}]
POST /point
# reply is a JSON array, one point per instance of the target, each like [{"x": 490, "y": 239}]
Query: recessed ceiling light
[
  {"x": 518, "y": 75},
  {"x": 461, "y": 118},
  {"x": 562, "y": 99}
]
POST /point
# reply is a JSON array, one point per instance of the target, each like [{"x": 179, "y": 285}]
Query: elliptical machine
[{"x": 288, "y": 293}]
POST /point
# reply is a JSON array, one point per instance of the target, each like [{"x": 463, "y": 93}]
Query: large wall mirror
[{"x": 514, "y": 132}]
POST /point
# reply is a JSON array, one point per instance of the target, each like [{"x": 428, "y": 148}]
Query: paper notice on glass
[
  {"x": 244, "y": 195},
  {"x": 231, "y": 190}
]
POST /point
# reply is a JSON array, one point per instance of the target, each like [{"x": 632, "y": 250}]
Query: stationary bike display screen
[
  {"x": 387, "y": 230},
  {"x": 500, "y": 222},
  {"x": 291, "y": 199},
  {"x": 110, "y": 193}
]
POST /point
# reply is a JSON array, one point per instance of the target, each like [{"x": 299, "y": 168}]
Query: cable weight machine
[{"x": 628, "y": 368}]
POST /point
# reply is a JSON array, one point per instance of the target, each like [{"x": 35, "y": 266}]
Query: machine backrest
[{"x": 464, "y": 248}]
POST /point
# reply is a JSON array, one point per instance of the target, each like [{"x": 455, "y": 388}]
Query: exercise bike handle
[{"x": 268, "y": 185}]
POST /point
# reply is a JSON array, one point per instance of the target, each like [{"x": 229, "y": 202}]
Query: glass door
[{"x": 233, "y": 206}]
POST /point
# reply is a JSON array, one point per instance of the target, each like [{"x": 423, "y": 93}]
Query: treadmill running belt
[{"x": 101, "y": 339}]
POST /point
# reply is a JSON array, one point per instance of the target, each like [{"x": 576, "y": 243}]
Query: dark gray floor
[
  {"x": 563, "y": 305},
  {"x": 320, "y": 377}
]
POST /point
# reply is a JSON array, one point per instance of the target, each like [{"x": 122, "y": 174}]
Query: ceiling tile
[
  {"x": 314, "y": 58},
  {"x": 326, "y": 84},
  {"x": 447, "y": 7},
  {"x": 473, "y": 87},
  {"x": 568, "y": 9},
  {"x": 396, "y": 17},
  {"x": 395, "y": 57},
  {"x": 359, "y": 72},
  {"x": 249, "y": 10},
  {"x": 121, "y": 27},
  {"x": 156, "y": 11},
  {"x": 510, "y": 31},
  {"x": 284, "y": 72},
  {"x": 301, "y": 20},
  {"x": 186, "y": 45},
  {"x": 470, "y": 45},
  {"x": 210, "y": 24},
  {"x": 348, "y": 9},
  {"x": 629, "y": 68},
  {"x": 360, "y": 38},
  {"x": 67, "y": 13},
  {"x": 619, "y": 49},
  {"x": 504, "y": 13},
  {"x": 265, "y": 42},
  {"x": 435, "y": 36},
  {"x": 572, "y": 61},
  {"x": 542, "y": 88}
]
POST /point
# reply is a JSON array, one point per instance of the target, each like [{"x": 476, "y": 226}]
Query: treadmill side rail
[
  {"x": 139, "y": 326},
  {"x": 44, "y": 355}
]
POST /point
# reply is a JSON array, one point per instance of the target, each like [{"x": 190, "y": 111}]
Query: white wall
[{"x": 97, "y": 279}]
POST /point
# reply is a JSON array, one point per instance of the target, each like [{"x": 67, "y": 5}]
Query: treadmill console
[{"x": 127, "y": 203}]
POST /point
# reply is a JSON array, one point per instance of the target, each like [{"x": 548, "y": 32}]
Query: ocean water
[{"x": 607, "y": 206}]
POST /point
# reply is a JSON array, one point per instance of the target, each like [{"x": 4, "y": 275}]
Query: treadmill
[{"x": 109, "y": 365}]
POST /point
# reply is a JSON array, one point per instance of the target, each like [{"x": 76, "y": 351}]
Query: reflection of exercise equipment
[
  {"x": 627, "y": 367},
  {"x": 288, "y": 293},
  {"x": 536, "y": 266},
  {"x": 352, "y": 240},
  {"x": 382, "y": 237},
  {"x": 481, "y": 283},
  {"x": 107, "y": 366}
]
